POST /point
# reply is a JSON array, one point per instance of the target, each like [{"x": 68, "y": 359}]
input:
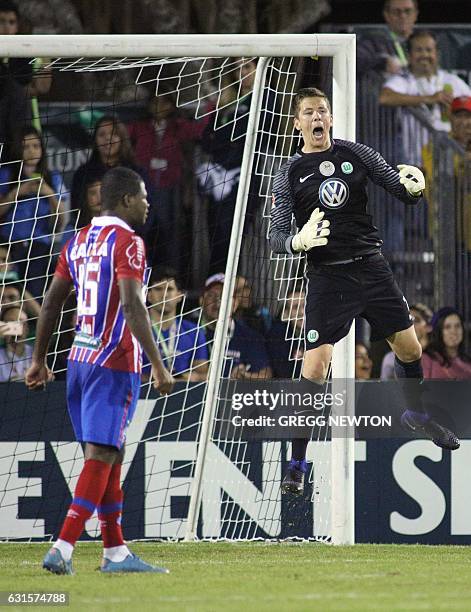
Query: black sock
[
  {"x": 298, "y": 448},
  {"x": 299, "y": 445},
  {"x": 412, "y": 376}
]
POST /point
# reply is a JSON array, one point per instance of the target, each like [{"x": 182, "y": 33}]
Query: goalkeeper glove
[
  {"x": 313, "y": 233},
  {"x": 412, "y": 178}
]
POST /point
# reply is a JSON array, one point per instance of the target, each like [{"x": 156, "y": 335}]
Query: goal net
[{"x": 207, "y": 123}]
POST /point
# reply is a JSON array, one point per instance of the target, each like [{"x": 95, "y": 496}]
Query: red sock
[
  {"x": 89, "y": 490},
  {"x": 110, "y": 510}
]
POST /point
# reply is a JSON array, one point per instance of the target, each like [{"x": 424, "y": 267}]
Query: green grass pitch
[{"x": 255, "y": 576}]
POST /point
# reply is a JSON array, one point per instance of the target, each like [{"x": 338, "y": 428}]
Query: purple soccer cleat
[
  {"x": 423, "y": 424},
  {"x": 293, "y": 482}
]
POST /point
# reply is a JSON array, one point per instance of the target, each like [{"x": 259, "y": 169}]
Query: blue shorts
[{"x": 101, "y": 402}]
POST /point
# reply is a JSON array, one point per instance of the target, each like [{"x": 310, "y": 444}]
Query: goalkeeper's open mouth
[{"x": 318, "y": 132}]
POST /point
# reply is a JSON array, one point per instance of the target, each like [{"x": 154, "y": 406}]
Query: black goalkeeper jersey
[{"x": 336, "y": 182}]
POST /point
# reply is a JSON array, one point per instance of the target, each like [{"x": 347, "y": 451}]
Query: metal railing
[{"x": 429, "y": 246}]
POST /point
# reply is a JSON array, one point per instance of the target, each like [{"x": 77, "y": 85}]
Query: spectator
[
  {"x": 256, "y": 317},
  {"x": 246, "y": 356},
  {"x": 461, "y": 134},
  {"x": 15, "y": 294},
  {"x": 181, "y": 342},
  {"x": 7, "y": 269},
  {"x": 111, "y": 147},
  {"x": 9, "y": 294},
  {"x": 50, "y": 17},
  {"x": 285, "y": 340},
  {"x": 90, "y": 206},
  {"x": 425, "y": 85},
  {"x": 15, "y": 356},
  {"x": 460, "y": 119},
  {"x": 19, "y": 86},
  {"x": 385, "y": 50},
  {"x": 422, "y": 317},
  {"x": 363, "y": 363},
  {"x": 445, "y": 357},
  {"x": 30, "y": 209},
  {"x": 224, "y": 140},
  {"x": 159, "y": 142}
]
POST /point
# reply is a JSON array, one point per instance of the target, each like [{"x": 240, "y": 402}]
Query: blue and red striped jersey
[{"x": 94, "y": 260}]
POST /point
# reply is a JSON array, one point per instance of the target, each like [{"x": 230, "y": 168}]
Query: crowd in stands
[
  {"x": 420, "y": 112},
  {"x": 21, "y": 81},
  {"x": 34, "y": 224},
  {"x": 385, "y": 50},
  {"x": 259, "y": 346}
]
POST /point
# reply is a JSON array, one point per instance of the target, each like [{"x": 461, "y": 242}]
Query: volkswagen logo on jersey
[{"x": 333, "y": 193}]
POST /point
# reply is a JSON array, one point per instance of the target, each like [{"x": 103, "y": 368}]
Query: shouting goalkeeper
[{"x": 324, "y": 185}]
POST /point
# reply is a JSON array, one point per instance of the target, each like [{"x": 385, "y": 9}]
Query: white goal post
[{"x": 340, "y": 47}]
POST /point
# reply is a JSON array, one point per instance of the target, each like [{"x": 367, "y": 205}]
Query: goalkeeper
[{"x": 324, "y": 185}]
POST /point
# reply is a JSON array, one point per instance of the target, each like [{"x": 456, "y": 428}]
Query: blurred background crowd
[{"x": 61, "y": 131}]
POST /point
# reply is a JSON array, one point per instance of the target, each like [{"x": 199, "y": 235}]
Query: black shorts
[{"x": 336, "y": 294}]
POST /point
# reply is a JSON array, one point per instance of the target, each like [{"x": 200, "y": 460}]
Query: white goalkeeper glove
[
  {"x": 313, "y": 233},
  {"x": 412, "y": 178}
]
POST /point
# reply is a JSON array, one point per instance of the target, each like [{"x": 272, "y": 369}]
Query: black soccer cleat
[
  {"x": 423, "y": 424},
  {"x": 293, "y": 482}
]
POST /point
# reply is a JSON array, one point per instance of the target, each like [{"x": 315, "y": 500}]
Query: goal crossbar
[{"x": 178, "y": 45}]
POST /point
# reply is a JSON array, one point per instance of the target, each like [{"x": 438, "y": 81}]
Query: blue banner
[{"x": 405, "y": 490}]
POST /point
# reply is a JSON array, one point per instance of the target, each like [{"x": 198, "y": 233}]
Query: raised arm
[
  {"x": 389, "y": 97},
  {"x": 382, "y": 174},
  {"x": 41, "y": 82},
  {"x": 57, "y": 207},
  {"x": 137, "y": 318}
]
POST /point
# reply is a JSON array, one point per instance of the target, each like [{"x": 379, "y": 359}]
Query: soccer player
[
  {"x": 105, "y": 263},
  {"x": 182, "y": 345},
  {"x": 324, "y": 185}
]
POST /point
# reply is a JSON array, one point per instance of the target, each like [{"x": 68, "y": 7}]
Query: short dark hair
[
  {"x": 308, "y": 92},
  {"x": 420, "y": 34},
  {"x": 387, "y": 5},
  {"x": 161, "y": 273},
  {"x": 6, "y": 6},
  {"x": 94, "y": 176},
  {"x": 117, "y": 183},
  {"x": 423, "y": 310}
]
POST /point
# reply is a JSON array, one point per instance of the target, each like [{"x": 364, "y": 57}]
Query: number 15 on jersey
[{"x": 87, "y": 299}]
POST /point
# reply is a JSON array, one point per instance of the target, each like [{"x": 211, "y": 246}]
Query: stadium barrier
[{"x": 406, "y": 490}]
